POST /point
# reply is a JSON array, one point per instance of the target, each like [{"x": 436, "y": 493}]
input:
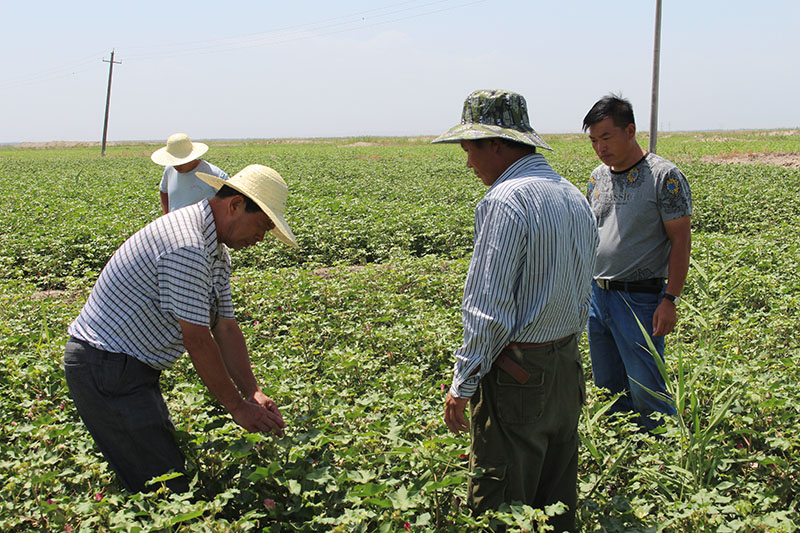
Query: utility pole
[
  {"x": 108, "y": 100},
  {"x": 656, "y": 65}
]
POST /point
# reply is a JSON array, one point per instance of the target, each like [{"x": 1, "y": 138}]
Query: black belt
[{"x": 652, "y": 285}]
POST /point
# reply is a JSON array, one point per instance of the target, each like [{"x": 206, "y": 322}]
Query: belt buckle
[{"x": 602, "y": 283}]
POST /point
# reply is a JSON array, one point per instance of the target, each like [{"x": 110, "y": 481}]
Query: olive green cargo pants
[{"x": 525, "y": 436}]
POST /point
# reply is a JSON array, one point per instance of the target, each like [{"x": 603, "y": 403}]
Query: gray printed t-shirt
[{"x": 631, "y": 208}]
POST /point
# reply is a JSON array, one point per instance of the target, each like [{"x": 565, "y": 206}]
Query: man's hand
[
  {"x": 454, "y": 409},
  {"x": 665, "y": 318},
  {"x": 258, "y": 418},
  {"x": 261, "y": 399}
]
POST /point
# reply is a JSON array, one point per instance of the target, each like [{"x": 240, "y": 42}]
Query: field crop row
[{"x": 353, "y": 335}]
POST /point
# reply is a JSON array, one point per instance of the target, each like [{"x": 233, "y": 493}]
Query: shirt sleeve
[
  {"x": 489, "y": 308},
  {"x": 163, "y": 186},
  {"x": 226, "y": 301},
  {"x": 674, "y": 196},
  {"x": 184, "y": 285}
]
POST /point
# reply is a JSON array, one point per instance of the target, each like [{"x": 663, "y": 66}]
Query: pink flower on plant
[
  {"x": 269, "y": 503},
  {"x": 98, "y": 497},
  {"x": 49, "y": 501},
  {"x": 463, "y": 456},
  {"x": 407, "y": 526},
  {"x": 442, "y": 387},
  {"x": 68, "y": 528}
]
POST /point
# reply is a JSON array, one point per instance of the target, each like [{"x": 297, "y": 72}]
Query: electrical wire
[{"x": 379, "y": 16}]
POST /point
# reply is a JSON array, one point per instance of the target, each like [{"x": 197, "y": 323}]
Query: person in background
[
  {"x": 180, "y": 185},
  {"x": 166, "y": 290},
  {"x": 526, "y": 301},
  {"x": 643, "y": 207}
]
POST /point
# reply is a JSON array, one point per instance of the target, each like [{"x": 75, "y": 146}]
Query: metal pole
[
  {"x": 656, "y": 66},
  {"x": 108, "y": 101}
]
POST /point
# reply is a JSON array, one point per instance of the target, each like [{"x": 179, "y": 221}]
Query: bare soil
[{"x": 781, "y": 159}]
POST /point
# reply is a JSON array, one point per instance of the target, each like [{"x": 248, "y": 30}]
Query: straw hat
[
  {"x": 494, "y": 113},
  {"x": 179, "y": 150},
  {"x": 265, "y": 187}
]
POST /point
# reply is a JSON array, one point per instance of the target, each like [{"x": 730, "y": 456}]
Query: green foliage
[{"x": 353, "y": 335}]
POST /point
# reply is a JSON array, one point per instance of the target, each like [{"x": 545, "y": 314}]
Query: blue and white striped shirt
[
  {"x": 171, "y": 269},
  {"x": 529, "y": 279}
]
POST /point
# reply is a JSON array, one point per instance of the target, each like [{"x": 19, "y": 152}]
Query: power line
[
  {"x": 349, "y": 23},
  {"x": 76, "y": 67},
  {"x": 361, "y": 20}
]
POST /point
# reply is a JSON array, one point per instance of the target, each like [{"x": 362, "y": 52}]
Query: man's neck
[{"x": 635, "y": 154}]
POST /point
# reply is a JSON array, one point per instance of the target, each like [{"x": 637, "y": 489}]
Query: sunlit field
[{"x": 352, "y": 335}]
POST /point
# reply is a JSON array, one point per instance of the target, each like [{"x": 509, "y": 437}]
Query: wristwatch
[{"x": 674, "y": 299}]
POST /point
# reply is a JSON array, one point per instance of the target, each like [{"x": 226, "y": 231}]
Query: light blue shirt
[
  {"x": 186, "y": 188},
  {"x": 529, "y": 279}
]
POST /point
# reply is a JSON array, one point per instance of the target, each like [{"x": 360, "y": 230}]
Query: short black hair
[
  {"x": 249, "y": 206},
  {"x": 619, "y": 109}
]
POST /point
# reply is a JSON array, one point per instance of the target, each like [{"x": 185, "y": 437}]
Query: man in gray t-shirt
[{"x": 643, "y": 207}]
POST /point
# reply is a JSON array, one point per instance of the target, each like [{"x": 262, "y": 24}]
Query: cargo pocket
[
  {"x": 520, "y": 403},
  {"x": 487, "y": 490}
]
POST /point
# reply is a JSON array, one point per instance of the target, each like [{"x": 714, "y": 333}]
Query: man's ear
[
  {"x": 236, "y": 202},
  {"x": 630, "y": 129}
]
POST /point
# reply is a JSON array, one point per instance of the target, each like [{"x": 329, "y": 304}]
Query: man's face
[
  {"x": 247, "y": 229},
  {"x": 481, "y": 159},
  {"x": 187, "y": 167},
  {"x": 612, "y": 144}
]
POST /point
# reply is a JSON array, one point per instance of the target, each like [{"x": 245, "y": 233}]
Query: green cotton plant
[
  {"x": 353, "y": 335},
  {"x": 697, "y": 419}
]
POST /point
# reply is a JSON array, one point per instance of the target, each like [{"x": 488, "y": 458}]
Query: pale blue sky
[{"x": 256, "y": 69}]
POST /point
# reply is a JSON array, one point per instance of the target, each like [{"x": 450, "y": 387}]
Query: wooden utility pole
[
  {"x": 656, "y": 65},
  {"x": 108, "y": 101}
]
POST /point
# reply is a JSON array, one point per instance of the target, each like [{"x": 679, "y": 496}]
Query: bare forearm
[
  {"x": 678, "y": 270},
  {"x": 208, "y": 363},
  {"x": 679, "y": 233},
  {"x": 164, "y": 199},
  {"x": 235, "y": 357}
]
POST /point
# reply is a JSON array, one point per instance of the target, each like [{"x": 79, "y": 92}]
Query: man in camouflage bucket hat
[
  {"x": 493, "y": 113},
  {"x": 526, "y": 302}
]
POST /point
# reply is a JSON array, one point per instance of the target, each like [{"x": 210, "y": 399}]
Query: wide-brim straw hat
[
  {"x": 266, "y": 188},
  {"x": 179, "y": 150},
  {"x": 494, "y": 113}
]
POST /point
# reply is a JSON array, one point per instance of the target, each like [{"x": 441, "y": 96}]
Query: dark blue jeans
[
  {"x": 119, "y": 400},
  {"x": 619, "y": 351}
]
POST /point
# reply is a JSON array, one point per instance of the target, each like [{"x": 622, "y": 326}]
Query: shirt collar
[
  {"x": 209, "y": 228},
  {"x": 526, "y": 163}
]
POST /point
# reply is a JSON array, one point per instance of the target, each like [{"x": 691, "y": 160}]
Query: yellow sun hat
[
  {"x": 266, "y": 188},
  {"x": 179, "y": 150}
]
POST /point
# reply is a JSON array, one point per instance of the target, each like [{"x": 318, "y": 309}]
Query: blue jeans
[
  {"x": 119, "y": 400},
  {"x": 619, "y": 351}
]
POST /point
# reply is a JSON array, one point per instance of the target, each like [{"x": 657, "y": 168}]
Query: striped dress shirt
[
  {"x": 171, "y": 269},
  {"x": 529, "y": 279}
]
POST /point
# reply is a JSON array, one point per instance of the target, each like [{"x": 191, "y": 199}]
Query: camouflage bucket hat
[{"x": 494, "y": 113}]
